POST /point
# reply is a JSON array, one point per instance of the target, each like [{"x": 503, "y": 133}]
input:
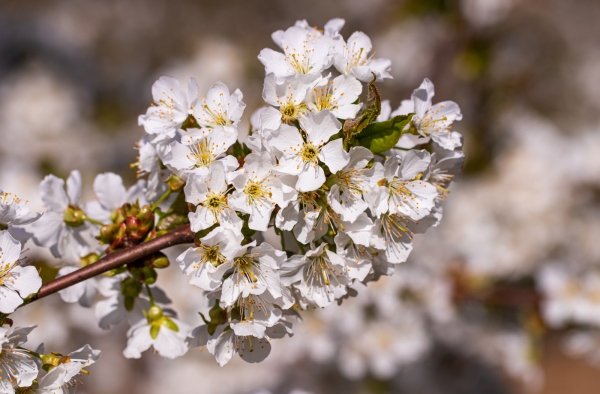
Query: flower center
[
  {"x": 300, "y": 62},
  {"x": 255, "y": 191},
  {"x": 213, "y": 255},
  {"x": 220, "y": 117},
  {"x": 309, "y": 153},
  {"x": 202, "y": 153},
  {"x": 290, "y": 112},
  {"x": 215, "y": 202}
]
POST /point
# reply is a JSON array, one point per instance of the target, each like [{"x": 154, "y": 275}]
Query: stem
[
  {"x": 114, "y": 260},
  {"x": 30, "y": 352},
  {"x": 161, "y": 199},
  {"x": 282, "y": 236},
  {"x": 94, "y": 221},
  {"x": 150, "y": 295}
]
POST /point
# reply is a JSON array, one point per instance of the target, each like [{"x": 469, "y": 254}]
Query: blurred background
[{"x": 462, "y": 315}]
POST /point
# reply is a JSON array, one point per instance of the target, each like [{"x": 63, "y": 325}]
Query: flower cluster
[{"x": 325, "y": 195}]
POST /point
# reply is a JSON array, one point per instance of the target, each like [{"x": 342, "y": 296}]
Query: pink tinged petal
[
  {"x": 334, "y": 155},
  {"x": 74, "y": 187},
  {"x": 110, "y": 190},
  {"x": 53, "y": 194}
]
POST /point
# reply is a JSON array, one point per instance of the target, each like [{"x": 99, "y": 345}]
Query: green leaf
[
  {"x": 353, "y": 127},
  {"x": 383, "y": 136}
]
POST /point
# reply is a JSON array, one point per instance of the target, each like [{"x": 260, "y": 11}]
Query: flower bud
[
  {"x": 154, "y": 313},
  {"x": 160, "y": 261},
  {"x": 88, "y": 259},
  {"x": 146, "y": 217},
  {"x": 107, "y": 233},
  {"x": 129, "y": 303},
  {"x": 74, "y": 216},
  {"x": 149, "y": 275},
  {"x": 130, "y": 287},
  {"x": 175, "y": 183}
]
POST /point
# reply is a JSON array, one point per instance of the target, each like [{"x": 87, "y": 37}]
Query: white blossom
[
  {"x": 304, "y": 53},
  {"x": 170, "y": 108},
  {"x": 288, "y": 98},
  {"x": 112, "y": 195},
  {"x": 208, "y": 261},
  {"x": 17, "y": 366},
  {"x": 320, "y": 275},
  {"x": 353, "y": 58},
  {"x": 338, "y": 96},
  {"x": 210, "y": 195},
  {"x": 200, "y": 151},
  {"x": 220, "y": 110},
  {"x": 302, "y": 157},
  {"x": 434, "y": 121},
  {"x": 167, "y": 336},
  {"x": 255, "y": 271},
  {"x": 16, "y": 282},
  {"x": 404, "y": 192},
  {"x": 15, "y": 212},
  {"x": 346, "y": 195},
  {"x": 60, "y": 228},
  {"x": 258, "y": 190}
]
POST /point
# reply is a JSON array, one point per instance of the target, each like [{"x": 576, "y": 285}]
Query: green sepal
[
  {"x": 154, "y": 329},
  {"x": 383, "y": 136},
  {"x": 129, "y": 303},
  {"x": 170, "y": 324}
]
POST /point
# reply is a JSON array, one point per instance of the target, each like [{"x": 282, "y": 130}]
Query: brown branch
[{"x": 114, "y": 260}]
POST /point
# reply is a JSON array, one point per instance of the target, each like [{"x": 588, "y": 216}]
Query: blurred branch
[{"x": 114, "y": 260}]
